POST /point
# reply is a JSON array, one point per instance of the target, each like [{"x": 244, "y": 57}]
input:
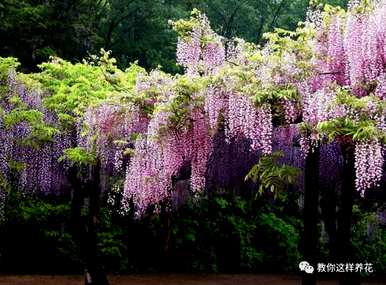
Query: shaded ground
[{"x": 171, "y": 279}]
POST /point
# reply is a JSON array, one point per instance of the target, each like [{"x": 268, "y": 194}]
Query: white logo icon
[{"x": 306, "y": 267}]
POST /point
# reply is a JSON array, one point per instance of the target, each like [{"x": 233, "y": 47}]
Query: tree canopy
[{"x": 133, "y": 29}]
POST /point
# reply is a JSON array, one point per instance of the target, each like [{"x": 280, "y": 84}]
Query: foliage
[
  {"x": 369, "y": 238},
  {"x": 7, "y": 63},
  {"x": 74, "y": 87},
  {"x": 33, "y": 31},
  {"x": 112, "y": 242},
  {"x": 44, "y": 221},
  {"x": 270, "y": 175},
  {"x": 132, "y": 29},
  {"x": 222, "y": 233},
  {"x": 230, "y": 237},
  {"x": 286, "y": 239},
  {"x": 363, "y": 126},
  {"x": 78, "y": 156},
  {"x": 236, "y": 234}
]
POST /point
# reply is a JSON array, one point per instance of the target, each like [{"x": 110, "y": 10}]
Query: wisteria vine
[{"x": 323, "y": 82}]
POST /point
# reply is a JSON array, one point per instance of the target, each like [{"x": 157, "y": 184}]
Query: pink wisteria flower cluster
[
  {"x": 23, "y": 153},
  {"x": 182, "y": 131},
  {"x": 201, "y": 49},
  {"x": 327, "y": 77},
  {"x": 350, "y": 52}
]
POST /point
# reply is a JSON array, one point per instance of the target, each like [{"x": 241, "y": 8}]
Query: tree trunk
[
  {"x": 311, "y": 199},
  {"x": 94, "y": 272},
  {"x": 76, "y": 225},
  {"x": 344, "y": 249},
  {"x": 166, "y": 219},
  {"x": 328, "y": 205},
  {"x": 84, "y": 229}
]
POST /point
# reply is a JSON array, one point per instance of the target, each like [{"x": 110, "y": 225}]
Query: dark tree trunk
[
  {"x": 84, "y": 229},
  {"x": 94, "y": 272},
  {"x": 311, "y": 205},
  {"x": 166, "y": 219},
  {"x": 328, "y": 205},
  {"x": 76, "y": 225},
  {"x": 344, "y": 249}
]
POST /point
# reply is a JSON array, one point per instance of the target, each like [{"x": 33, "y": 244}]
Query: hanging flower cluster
[
  {"x": 199, "y": 48},
  {"x": 107, "y": 130},
  {"x": 234, "y": 101},
  {"x": 330, "y": 74},
  {"x": 156, "y": 162},
  {"x": 30, "y": 145},
  {"x": 216, "y": 103},
  {"x": 177, "y": 136},
  {"x": 244, "y": 119},
  {"x": 349, "y": 52},
  {"x": 368, "y": 165}
]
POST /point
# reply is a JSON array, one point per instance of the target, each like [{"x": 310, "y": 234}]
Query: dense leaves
[{"x": 133, "y": 29}]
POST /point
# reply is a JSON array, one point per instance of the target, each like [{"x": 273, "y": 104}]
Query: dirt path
[{"x": 171, "y": 279}]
